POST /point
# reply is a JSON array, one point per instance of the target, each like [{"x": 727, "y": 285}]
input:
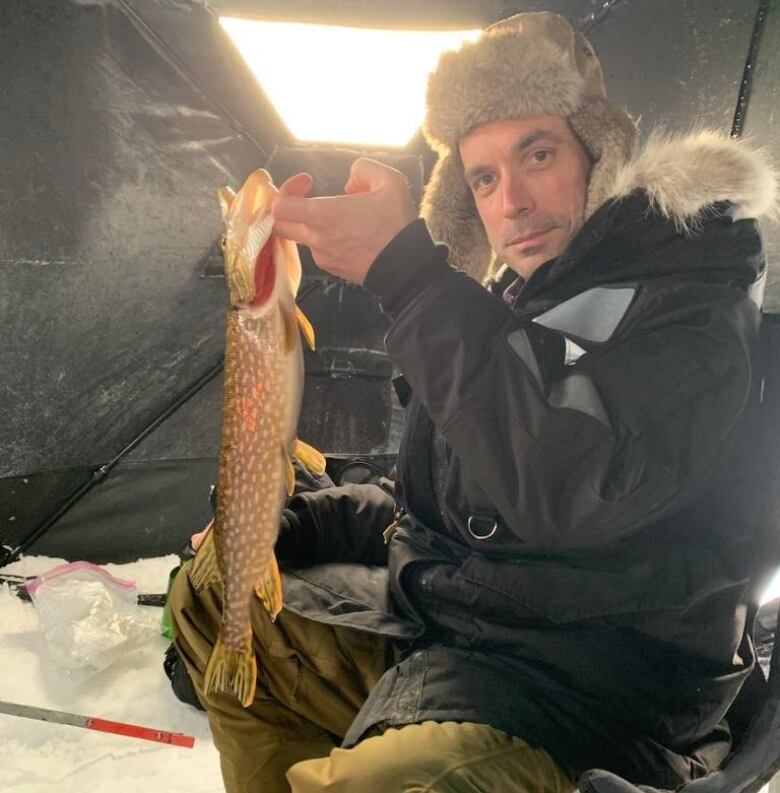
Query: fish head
[{"x": 256, "y": 261}]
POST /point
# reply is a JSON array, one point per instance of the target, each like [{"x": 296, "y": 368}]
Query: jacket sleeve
[
  {"x": 568, "y": 456},
  {"x": 336, "y": 524}
]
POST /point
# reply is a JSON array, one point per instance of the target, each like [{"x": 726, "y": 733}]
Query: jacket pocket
[{"x": 612, "y": 583}]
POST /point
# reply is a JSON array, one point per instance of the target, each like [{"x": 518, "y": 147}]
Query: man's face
[{"x": 529, "y": 177}]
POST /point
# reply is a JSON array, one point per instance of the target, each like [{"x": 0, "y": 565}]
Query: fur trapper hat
[{"x": 526, "y": 65}]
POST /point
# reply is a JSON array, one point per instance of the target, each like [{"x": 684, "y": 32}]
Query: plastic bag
[{"x": 88, "y": 617}]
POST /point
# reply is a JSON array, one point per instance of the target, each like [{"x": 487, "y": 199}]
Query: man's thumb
[
  {"x": 298, "y": 185},
  {"x": 366, "y": 175}
]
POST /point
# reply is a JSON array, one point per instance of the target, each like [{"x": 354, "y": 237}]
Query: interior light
[
  {"x": 772, "y": 591},
  {"x": 343, "y": 85}
]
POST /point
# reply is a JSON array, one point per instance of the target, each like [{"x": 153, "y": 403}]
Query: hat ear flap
[
  {"x": 609, "y": 135},
  {"x": 448, "y": 208}
]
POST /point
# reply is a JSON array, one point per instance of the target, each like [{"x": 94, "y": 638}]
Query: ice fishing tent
[{"x": 118, "y": 121}]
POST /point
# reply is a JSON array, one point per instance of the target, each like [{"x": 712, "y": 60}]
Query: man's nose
[{"x": 516, "y": 198}]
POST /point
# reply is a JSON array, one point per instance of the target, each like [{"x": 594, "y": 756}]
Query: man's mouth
[{"x": 527, "y": 238}]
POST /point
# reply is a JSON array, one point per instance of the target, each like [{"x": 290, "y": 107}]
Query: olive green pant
[{"x": 312, "y": 680}]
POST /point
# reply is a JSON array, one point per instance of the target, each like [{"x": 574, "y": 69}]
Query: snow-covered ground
[{"x": 39, "y": 757}]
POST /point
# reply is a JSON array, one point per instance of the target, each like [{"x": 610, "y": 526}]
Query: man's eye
[
  {"x": 541, "y": 156},
  {"x": 483, "y": 180}
]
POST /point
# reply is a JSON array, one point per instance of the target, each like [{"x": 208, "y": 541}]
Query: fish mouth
[{"x": 252, "y": 276}]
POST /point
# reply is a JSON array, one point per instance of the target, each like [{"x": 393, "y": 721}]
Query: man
[{"x": 560, "y": 590}]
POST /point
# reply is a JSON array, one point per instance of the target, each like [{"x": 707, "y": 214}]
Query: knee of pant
[
  {"x": 195, "y": 615},
  {"x": 444, "y": 757},
  {"x": 366, "y": 767},
  {"x": 177, "y": 597}
]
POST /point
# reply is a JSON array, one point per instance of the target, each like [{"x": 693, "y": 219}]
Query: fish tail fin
[
  {"x": 232, "y": 671},
  {"x": 269, "y": 588},
  {"x": 306, "y": 327},
  {"x": 312, "y": 459},
  {"x": 204, "y": 571}
]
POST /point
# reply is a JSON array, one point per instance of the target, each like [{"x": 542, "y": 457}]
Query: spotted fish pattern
[
  {"x": 251, "y": 483},
  {"x": 262, "y": 397}
]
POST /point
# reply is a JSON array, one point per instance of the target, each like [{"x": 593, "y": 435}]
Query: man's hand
[{"x": 346, "y": 233}]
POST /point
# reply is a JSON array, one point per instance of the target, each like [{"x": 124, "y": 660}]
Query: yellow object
[
  {"x": 306, "y": 329},
  {"x": 269, "y": 589},
  {"x": 309, "y": 457}
]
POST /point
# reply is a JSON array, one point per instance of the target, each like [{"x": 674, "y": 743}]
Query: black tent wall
[{"x": 118, "y": 119}]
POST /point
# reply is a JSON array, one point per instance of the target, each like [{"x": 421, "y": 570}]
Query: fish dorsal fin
[
  {"x": 306, "y": 328},
  {"x": 269, "y": 588}
]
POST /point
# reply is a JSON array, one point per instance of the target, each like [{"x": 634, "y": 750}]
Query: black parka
[{"x": 563, "y": 570}]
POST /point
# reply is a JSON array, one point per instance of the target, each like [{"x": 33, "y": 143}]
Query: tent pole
[{"x": 743, "y": 99}]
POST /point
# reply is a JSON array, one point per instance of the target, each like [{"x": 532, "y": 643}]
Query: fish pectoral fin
[
  {"x": 204, "y": 570},
  {"x": 310, "y": 458},
  {"x": 290, "y": 329},
  {"x": 269, "y": 588},
  {"x": 232, "y": 671},
  {"x": 306, "y": 327}
]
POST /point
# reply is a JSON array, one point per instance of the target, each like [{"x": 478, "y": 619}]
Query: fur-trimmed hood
[{"x": 684, "y": 175}]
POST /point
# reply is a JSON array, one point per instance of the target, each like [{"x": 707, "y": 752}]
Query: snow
[{"x": 40, "y": 757}]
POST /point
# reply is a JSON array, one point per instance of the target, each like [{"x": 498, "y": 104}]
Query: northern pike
[{"x": 262, "y": 399}]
